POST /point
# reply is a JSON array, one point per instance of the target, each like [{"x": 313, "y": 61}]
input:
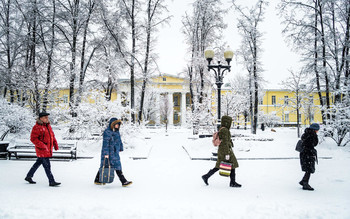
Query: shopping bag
[
  {"x": 106, "y": 172},
  {"x": 225, "y": 168}
]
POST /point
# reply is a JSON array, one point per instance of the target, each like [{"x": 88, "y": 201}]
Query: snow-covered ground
[{"x": 168, "y": 183}]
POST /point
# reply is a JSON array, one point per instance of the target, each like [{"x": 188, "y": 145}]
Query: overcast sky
[{"x": 277, "y": 56}]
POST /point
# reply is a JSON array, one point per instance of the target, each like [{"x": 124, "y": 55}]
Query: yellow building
[
  {"x": 282, "y": 103},
  {"x": 276, "y": 102}
]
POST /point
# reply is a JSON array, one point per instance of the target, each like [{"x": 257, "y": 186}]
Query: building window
[
  {"x": 312, "y": 118},
  {"x": 286, "y": 117},
  {"x": 311, "y": 99},
  {"x": 273, "y": 100},
  {"x": 324, "y": 99},
  {"x": 261, "y": 101},
  {"x": 176, "y": 100},
  {"x": 65, "y": 98},
  {"x": 164, "y": 78},
  {"x": 176, "y": 116},
  {"x": 299, "y": 117},
  {"x": 285, "y": 100},
  {"x": 188, "y": 100}
]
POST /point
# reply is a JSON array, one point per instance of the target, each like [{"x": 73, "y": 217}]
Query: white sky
[{"x": 277, "y": 57}]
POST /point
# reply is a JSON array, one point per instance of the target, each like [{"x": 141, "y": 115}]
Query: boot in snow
[
  {"x": 209, "y": 174},
  {"x": 234, "y": 184},
  {"x": 127, "y": 183},
  {"x": 54, "y": 183},
  {"x": 306, "y": 186},
  {"x": 122, "y": 179},
  {"x": 29, "y": 179}
]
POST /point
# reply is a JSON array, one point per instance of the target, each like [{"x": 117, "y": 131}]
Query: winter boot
[
  {"x": 122, "y": 179},
  {"x": 54, "y": 183},
  {"x": 305, "y": 182},
  {"x": 209, "y": 174},
  {"x": 29, "y": 179},
  {"x": 127, "y": 183},
  {"x": 306, "y": 186},
  {"x": 233, "y": 182}
]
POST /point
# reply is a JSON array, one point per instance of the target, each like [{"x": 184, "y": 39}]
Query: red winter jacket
[{"x": 44, "y": 139}]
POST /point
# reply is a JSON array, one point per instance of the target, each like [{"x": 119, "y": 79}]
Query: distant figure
[
  {"x": 112, "y": 145},
  {"x": 308, "y": 155},
  {"x": 44, "y": 140},
  {"x": 225, "y": 152},
  {"x": 262, "y": 126}
]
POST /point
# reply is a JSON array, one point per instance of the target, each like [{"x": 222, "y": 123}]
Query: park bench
[{"x": 67, "y": 149}]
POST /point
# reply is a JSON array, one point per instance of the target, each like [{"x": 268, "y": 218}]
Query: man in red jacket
[{"x": 44, "y": 140}]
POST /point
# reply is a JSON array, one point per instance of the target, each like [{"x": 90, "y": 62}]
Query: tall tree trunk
[
  {"x": 50, "y": 54},
  {"x": 190, "y": 74},
  {"x": 75, "y": 17},
  {"x": 324, "y": 58},
  {"x": 132, "y": 67},
  {"x": 82, "y": 60},
  {"x": 33, "y": 54},
  {"x": 8, "y": 85},
  {"x": 317, "y": 74},
  {"x": 145, "y": 69}
]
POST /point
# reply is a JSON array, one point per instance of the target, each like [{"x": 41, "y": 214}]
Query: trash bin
[{"x": 3, "y": 148}]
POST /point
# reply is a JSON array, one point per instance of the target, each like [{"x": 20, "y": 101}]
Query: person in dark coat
[
  {"x": 225, "y": 152},
  {"x": 44, "y": 140},
  {"x": 308, "y": 156},
  {"x": 112, "y": 145}
]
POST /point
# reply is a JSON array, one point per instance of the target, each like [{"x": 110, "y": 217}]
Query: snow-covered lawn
[{"x": 168, "y": 184}]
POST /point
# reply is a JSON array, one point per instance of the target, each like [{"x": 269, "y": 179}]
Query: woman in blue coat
[{"x": 112, "y": 145}]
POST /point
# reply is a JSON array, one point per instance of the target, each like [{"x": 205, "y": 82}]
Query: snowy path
[{"x": 168, "y": 185}]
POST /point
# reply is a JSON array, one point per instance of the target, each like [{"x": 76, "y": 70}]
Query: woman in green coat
[{"x": 225, "y": 152}]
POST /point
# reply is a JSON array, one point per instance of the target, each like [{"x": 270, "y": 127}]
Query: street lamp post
[{"x": 219, "y": 71}]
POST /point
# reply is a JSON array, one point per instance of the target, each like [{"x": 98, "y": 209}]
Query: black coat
[{"x": 308, "y": 155}]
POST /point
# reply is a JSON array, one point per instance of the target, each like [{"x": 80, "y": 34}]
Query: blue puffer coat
[{"x": 111, "y": 146}]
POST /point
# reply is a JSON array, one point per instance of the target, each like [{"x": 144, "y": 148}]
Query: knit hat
[
  {"x": 315, "y": 126},
  {"x": 43, "y": 114}
]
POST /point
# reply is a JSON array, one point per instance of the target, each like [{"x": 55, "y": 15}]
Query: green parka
[{"x": 225, "y": 148}]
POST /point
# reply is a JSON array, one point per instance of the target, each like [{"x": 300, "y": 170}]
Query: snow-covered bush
[
  {"x": 92, "y": 118},
  {"x": 271, "y": 120},
  {"x": 15, "y": 118},
  {"x": 338, "y": 127}
]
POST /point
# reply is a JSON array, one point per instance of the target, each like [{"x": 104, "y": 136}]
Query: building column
[
  {"x": 119, "y": 98},
  {"x": 183, "y": 108},
  {"x": 158, "y": 99},
  {"x": 171, "y": 109}
]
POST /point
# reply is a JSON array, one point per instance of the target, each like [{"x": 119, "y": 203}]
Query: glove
[{"x": 227, "y": 157}]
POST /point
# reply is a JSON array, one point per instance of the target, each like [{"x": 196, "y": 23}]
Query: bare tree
[
  {"x": 154, "y": 10},
  {"x": 248, "y": 25},
  {"x": 299, "y": 98},
  {"x": 202, "y": 29}
]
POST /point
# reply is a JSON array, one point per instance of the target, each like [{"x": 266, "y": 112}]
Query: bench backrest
[{"x": 29, "y": 145}]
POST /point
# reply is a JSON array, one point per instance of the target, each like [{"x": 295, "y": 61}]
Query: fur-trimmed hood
[{"x": 113, "y": 122}]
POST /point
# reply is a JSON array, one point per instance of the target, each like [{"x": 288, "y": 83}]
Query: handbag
[
  {"x": 106, "y": 173},
  {"x": 225, "y": 169},
  {"x": 299, "y": 147}
]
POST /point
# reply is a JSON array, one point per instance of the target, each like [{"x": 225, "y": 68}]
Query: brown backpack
[{"x": 216, "y": 140}]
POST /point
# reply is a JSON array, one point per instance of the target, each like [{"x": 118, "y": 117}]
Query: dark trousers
[
  {"x": 214, "y": 170},
  {"x": 119, "y": 174},
  {"x": 306, "y": 177},
  {"x": 45, "y": 161}
]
